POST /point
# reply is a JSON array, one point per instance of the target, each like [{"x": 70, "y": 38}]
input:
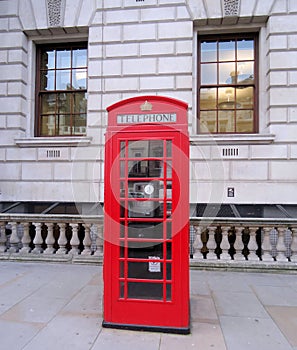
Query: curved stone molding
[
  {"x": 54, "y": 12},
  {"x": 231, "y": 7}
]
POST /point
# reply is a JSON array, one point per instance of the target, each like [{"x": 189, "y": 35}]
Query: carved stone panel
[
  {"x": 54, "y": 12},
  {"x": 231, "y": 7}
]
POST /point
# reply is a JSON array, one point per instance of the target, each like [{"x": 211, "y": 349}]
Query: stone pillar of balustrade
[
  {"x": 192, "y": 237},
  {"x": 87, "y": 240},
  {"x": 50, "y": 240},
  {"x": 280, "y": 247},
  {"x": 273, "y": 237},
  {"x": 3, "y": 238},
  {"x": 14, "y": 239},
  {"x": 204, "y": 236},
  {"x": 218, "y": 236},
  {"x": 38, "y": 241},
  {"x": 252, "y": 245},
  {"x": 74, "y": 242},
  {"x": 197, "y": 245},
  {"x": 225, "y": 246},
  {"x": 266, "y": 245},
  {"x": 294, "y": 244},
  {"x": 211, "y": 243},
  {"x": 288, "y": 240},
  {"x": 62, "y": 240},
  {"x": 26, "y": 239},
  {"x": 238, "y": 245},
  {"x": 99, "y": 240}
]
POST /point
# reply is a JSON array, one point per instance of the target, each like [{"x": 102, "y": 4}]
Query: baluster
[
  {"x": 294, "y": 244},
  {"x": 197, "y": 244},
  {"x": 62, "y": 240},
  {"x": 245, "y": 238},
  {"x": 259, "y": 241},
  {"x": 14, "y": 238},
  {"x": 280, "y": 247},
  {"x": 95, "y": 239},
  {"x": 26, "y": 239},
  {"x": 192, "y": 237},
  {"x": 218, "y": 236},
  {"x": 3, "y": 238},
  {"x": 211, "y": 244},
  {"x": 225, "y": 244},
  {"x": 288, "y": 239},
  {"x": 99, "y": 240},
  {"x": 38, "y": 241},
  {"x": 240, "y": 245},
  {"x": 74, "y": 242},
  {"x": 87, "y": 240},
  {"x": 273, "y": 237},
  {"x": 266, "y": 245},
  {"x": 252, "y": 245},
  {"x": 50, "y": 240},
  {"x": 232, "y": 240},
  {"x": 204, "y": 239}
]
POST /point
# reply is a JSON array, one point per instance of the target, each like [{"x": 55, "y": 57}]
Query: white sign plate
[{"x": 154, "y": 266}]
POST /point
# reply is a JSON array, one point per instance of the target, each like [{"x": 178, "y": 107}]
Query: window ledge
[
  {"x": 53, "y": 141},
  {"x": 234, "y": 139}
]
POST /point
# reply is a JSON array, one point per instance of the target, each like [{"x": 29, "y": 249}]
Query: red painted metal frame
[{"x": 135, "y": 313}]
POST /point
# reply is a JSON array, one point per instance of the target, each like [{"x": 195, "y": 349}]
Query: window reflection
[
  {"x": 63, "y": 59},
  {"x": 208, "y": 51},
  {"x": 227, "y": 50}
]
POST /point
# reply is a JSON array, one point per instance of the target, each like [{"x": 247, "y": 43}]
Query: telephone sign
[{"x": 146, "y": 214}]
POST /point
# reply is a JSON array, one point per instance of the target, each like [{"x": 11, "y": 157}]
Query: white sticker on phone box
[{"x": 154, "y": 266}]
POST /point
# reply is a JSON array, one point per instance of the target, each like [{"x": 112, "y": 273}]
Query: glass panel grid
[
  {"x": 145, "y": 227},
  {"x": 226, "y": 81},
  {"x": 63, "y": 71}
]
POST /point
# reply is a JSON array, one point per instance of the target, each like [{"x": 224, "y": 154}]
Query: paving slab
[
  {"x": 126, "y": 340},
  {"x": 276, "y": 295},
  {"x": 15, "y": 335},
  {"x": 67, "y": 331},
  {"x": 203, "y": 336},
  {"x": 286, "y": 319},
  {"x": 252, "y": 333},
  {"x": 243, "y": 304}
]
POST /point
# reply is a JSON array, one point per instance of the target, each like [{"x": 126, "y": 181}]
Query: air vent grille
[{"x": 230, "y": 152}]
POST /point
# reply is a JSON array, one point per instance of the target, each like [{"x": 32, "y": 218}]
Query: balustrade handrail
[
  {"x": 243, "y": 221},
  {"x": 70, "y": 218},
  {"x": 193, "y": 220}
]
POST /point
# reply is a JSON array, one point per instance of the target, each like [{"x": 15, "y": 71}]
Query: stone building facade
[{"x": 149, "y": 47}]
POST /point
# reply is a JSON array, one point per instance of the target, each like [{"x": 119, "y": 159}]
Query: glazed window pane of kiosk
[{"x": 145, "y": 191}]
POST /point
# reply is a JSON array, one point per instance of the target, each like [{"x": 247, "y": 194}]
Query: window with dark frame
[
  {"x": 227, "y": 84},
  {"x": 61, "y": 90}
]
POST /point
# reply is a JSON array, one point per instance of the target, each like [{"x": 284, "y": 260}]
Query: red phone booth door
[{"x": 146, "y": 231}]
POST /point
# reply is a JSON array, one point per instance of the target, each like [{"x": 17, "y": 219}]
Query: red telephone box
[{"x": 146, "y": 204}]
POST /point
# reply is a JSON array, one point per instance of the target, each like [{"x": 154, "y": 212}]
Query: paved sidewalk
[{"x": 58, "y": 306}]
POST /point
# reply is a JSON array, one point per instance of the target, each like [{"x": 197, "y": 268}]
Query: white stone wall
[
  {"x": 142, "y": 48},
  {"x": 261, "y": 170}
]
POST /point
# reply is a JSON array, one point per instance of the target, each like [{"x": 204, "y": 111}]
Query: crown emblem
[{"x": 146, "y": 106}]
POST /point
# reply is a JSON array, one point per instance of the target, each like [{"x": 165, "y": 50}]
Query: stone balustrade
[
  {"x": 51, "y": 238},
  {"x": 244, "y": 242},
  {"x": 214, "y": 242}
]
